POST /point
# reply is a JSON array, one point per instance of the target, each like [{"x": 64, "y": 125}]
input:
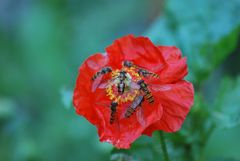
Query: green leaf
[
  {"x": 66, "y": 95},
  {"x": 224, "y": 159},
  {"x": 228, "y": 104},
  {"x": 144, "y": 149},
  {"x": 121, "y": 157},
  {"x": 7, "y": 107},
  {"x": 205, "y": 31}
]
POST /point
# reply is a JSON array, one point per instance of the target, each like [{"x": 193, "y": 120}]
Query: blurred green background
[{"x": 43, "y": 42}]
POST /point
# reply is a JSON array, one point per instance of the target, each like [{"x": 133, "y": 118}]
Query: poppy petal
[
  {"x": 176, "y": 100},
  {"x": 175, "y": 68},
  {"x": 82, "y": 95},
  {"x": 127, "y": 130},
  {"x": 170, "y": 53},
  {"x": 140, "y": 50}
]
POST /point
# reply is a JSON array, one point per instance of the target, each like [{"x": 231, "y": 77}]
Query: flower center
[{"x": 123, "y": 86}]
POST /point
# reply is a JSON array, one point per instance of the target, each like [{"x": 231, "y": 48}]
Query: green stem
[
  {"x": 205, "y": 140},
  {"x": 163, "y": 145}
]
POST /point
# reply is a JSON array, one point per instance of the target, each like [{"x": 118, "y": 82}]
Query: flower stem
[{"x": 163, "y": 145}]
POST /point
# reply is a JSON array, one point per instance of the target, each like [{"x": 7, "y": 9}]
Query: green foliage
[
  {"x": 144, "y": 149},
  {"x": 219, "y": 159},
  {"x": 205, "y": 31},
  {"x": 7, "y": 108},
  {"x": 43, "y": 43},
  {"x": 227, "y": 113},
  {"x": 66, "y": 95},
  {"x": 121, "y": 157}
]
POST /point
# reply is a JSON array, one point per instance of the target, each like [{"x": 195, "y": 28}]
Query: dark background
[{"x": 43, "y": 42}]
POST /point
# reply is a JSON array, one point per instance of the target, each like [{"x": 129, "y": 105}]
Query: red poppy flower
[{"x": 134, "y": 88}]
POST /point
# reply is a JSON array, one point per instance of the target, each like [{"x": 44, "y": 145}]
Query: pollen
[
  {"x": 123, "y": 93},
  {"x": 115, "y": 73},
  {"x": 134, "y": 74},
  {"x": 110, "y": 93}
]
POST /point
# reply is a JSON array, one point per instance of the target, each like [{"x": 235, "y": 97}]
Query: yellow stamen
[{"x": 127, "y": 96}]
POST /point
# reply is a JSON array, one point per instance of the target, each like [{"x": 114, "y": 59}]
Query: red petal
[
  {"x": 175, "y": 68},
  {"x": 82, "y": 96},
  {"x": 140, "y": 50},
  {"x": 122, "y": 133},
  {"x": 170, "y": 53},
  {"x": 176, "y": 100}
]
